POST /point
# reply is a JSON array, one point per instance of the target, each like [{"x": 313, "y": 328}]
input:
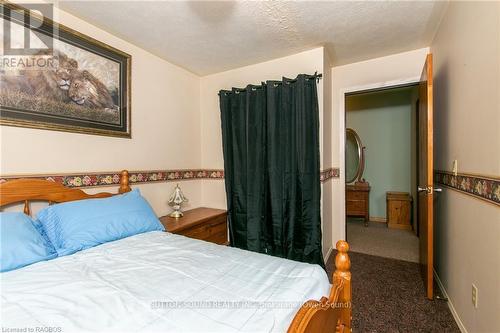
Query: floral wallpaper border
[
  {"x": 482, "y": 187},
  {"x": 113, "y": 178},
  {"x": 328, "y": 174},
  {"x": 135, "y": 177}
]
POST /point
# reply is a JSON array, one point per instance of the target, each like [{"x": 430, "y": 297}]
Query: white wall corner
[{"x": 328, "y": 254}]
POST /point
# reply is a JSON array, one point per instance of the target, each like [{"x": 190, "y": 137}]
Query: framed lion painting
[{"x": 52, "y": 77}]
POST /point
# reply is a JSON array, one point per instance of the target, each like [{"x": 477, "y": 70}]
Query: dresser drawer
[
  {"x": 356, "y": 195},
  {"x": 356, "y": 207},
  {"x": 358, "y": 200}
]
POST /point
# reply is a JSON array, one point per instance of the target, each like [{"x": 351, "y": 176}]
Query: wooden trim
[
  {"x": 426, "y": 176},
  {"x": 333, "y": 311}
]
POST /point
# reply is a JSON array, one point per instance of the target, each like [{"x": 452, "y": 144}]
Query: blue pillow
[
  {"x": 78, "y": 225},
  {"x": 39, "y": 227},
  {"x": 20, "y": 243}
]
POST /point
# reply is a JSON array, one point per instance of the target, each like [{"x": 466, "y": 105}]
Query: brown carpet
[
  {"x": 378, "y": 240},
  {"x": 389, "y": 296}
]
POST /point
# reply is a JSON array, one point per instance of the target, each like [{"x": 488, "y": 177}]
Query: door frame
[{"x": 342, "y": 122}]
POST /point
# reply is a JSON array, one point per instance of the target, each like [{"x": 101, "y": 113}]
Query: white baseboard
[
  {"x": 378, "y": 219},
  {"x": 450, "y": 304},
  {"x": 328, "y": 254}
]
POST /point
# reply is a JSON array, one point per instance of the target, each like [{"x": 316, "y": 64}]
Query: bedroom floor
[
  {"x": 378, "y": 240},
  {"x": 389, "y": 296}
]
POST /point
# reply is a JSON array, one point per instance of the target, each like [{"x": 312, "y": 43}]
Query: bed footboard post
[
  {"x": 124, "y": 182},
  {"x": 332, "y": 314},
  {"x": 342, "y": 275}
]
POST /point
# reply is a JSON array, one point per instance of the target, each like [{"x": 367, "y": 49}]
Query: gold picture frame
[{"x": 108, "y": 113}]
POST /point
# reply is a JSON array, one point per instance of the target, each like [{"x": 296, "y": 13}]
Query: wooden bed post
[
  {"x": 124, "y": 184},
  {"x": 332, "y": 314},
  {"x": 342, "y": 274},
  {"x": 27, "y": 209}
]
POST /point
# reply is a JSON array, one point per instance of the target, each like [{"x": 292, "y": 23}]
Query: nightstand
[
  {"x": 399, "y": 210},
  {"x": 207, "y": 224}
]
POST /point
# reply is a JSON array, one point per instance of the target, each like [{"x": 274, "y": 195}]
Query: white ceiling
[{"x": 207, "y": 37}]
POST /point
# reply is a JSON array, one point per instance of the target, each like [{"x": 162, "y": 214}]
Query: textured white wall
[
  {"x": 326, "y": 154},
  {"x": 466, "y": 52},
  {"x": 165, "y": 128}
]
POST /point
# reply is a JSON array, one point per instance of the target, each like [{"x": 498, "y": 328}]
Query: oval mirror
[{"x": 354, "y": 158}]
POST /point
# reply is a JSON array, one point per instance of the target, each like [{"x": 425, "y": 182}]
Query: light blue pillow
[
  {"x": 78, "y": 225},
  {"x": 39, "y": 227},
  {"x": 21, "y": 243}
]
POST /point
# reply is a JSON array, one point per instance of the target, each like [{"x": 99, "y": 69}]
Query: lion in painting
[
  {"x": 86, "y": 90},
  {"x": 51, "y": 83}
]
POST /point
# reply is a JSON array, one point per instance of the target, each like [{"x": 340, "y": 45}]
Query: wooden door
[{"x": 425, "y": 181}]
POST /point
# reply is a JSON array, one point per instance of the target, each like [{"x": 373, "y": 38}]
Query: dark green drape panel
[{"x": 271, "y": 161}]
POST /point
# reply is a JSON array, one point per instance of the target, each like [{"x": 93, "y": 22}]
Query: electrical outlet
[
  {"x": 474, "y": 295},
  {"x": 455, "y": 167}
]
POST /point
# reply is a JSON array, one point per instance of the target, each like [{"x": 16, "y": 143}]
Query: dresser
[
  {"x": 208, "y": 224},
  {"x": 358, "y": 200}
]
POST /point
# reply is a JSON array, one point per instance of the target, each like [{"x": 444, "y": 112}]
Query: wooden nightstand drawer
[
  {"x": 200, "y": 223},
  {"x": 207, "y": 230}
]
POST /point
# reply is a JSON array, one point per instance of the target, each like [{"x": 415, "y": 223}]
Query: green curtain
[{"x": 270, "y": 136}]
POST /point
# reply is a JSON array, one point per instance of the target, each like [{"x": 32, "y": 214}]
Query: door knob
[{"x": 429, "y": 189}]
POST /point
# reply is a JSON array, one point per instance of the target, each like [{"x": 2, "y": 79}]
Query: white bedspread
[{"x": 145, "y": 283}]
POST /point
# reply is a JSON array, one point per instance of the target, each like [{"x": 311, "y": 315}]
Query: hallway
[{"x": 378, "y": 240}]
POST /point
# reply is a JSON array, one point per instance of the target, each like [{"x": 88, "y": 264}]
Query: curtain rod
[{"x": 238, "y": 90}]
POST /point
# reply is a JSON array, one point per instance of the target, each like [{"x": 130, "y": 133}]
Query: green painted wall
[{"x": 385, "y": 123}]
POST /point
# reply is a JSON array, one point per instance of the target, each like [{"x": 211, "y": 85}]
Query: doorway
[{"x": 381, "y": 202}]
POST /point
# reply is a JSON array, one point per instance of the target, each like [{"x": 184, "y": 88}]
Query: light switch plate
[
  {"x": 474, "y": 295},
  {"x": 455, "y": 167}
]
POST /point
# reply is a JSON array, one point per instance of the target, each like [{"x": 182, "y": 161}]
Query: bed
[{"x": 157, "y": 281}]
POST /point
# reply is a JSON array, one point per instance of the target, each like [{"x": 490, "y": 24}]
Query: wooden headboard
[{"x": 26, "y": 190}]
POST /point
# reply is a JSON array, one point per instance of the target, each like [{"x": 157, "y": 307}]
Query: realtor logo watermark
[
  {"x": 42, "y": 13},
  {"x": 25, "y": 46}
]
